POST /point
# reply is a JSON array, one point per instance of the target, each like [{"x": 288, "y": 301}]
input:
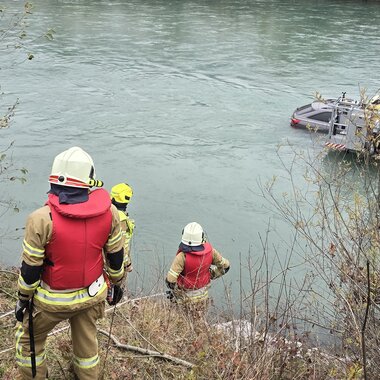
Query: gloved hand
[
  {"x": 128, "y": 268},
  {"x": 212, "y": 271},
  {"x": 131, "y": 225},
  {"x": 215, "y": 272},
  {"x": 170, "y": 285},
  {"x": 20, "y": 309},
  {"x": 169, "y": 295},
  {"x": 117, "y": 295}
]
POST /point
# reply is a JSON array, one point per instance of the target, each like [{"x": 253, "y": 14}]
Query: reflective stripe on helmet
[
  {"x": 75, "y": 168},
  {"x": 61, "y": 180}
]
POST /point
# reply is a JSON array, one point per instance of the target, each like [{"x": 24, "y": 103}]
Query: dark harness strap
[{"x": 31, "y": 339}]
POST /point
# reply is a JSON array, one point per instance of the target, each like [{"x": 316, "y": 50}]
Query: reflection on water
[{"x": 186, "y": 101}]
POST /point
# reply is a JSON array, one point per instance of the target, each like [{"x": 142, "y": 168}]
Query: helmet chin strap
[{"x": 119, "y": 206}]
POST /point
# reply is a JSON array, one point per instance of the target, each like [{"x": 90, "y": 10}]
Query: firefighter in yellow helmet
[
  {"x": 121, "y": 195},
  {"x": 195, "y": 265},
  {"x": 61, "y": 276}
]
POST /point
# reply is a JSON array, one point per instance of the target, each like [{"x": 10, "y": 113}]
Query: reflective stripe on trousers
[
  {"x": 26, "y": 361},
  {"x": 86, "y": 362},
  {"x": 83, "y": 335},
  {"x": 196, "y": 295}
]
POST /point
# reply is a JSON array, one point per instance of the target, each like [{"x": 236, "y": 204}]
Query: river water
[{"x": 187, "y": 101}]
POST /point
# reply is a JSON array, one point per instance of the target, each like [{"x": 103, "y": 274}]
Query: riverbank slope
[{"x": 150, "y": 338}]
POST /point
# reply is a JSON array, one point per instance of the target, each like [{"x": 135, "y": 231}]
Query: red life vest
[
  {"x": 196, "y": 273},
  {"x": 73, "y": 257}
]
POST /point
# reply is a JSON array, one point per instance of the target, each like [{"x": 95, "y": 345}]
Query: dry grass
[{"x": 157, "y": 325}]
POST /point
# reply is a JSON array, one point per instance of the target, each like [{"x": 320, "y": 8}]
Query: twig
[
  {"x": 138, "y": 332},
  {"x": 146, "y": 351},
  {"x": 108, "y": 343},
  {"x": 8, "y": 271},
  {"x": 62, "y": 370},
  {"x": 364, "y": 353},
  {"x": 10, "y": 312},
  {"x": 8, "y": 294}
]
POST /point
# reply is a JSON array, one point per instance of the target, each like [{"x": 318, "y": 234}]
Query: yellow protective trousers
[{"x": 83, "y": 335}]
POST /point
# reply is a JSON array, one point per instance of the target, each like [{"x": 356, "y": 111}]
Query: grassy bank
[{"x": 154, "y": 339}]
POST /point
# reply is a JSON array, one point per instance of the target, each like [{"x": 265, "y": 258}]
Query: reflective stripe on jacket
[
  {"x": 129, "y": 226},
  {"x": 196, "y": 274},
  {"x": 72, "y": 298},
  {"x": 80, "y": 231}
]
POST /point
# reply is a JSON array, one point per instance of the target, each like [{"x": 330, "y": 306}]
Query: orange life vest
[
  {"x": 196, "y": 273},
  {"x": 73, "y": 257}
]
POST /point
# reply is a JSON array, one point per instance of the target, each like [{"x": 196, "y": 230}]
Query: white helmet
[
  {"x": 74, "y": 168},
  {"x": 193, "y": 234}
]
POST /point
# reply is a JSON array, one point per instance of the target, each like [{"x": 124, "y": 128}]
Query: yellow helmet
[{"x": 121, "y": 193}]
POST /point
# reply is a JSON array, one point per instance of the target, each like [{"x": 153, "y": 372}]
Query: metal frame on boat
[{"x": 355, "y": 127}]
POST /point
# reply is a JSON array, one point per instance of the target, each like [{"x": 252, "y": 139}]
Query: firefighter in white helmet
[
  {"x": 121, "y": 195},
  {"x": 195, "y": 265},
  {"x": 61, "y": 276}
]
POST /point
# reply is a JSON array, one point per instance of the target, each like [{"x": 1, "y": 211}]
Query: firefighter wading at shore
[
  {"x": 195, "y": 265},
  {"x": 62, "y": 270}
]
